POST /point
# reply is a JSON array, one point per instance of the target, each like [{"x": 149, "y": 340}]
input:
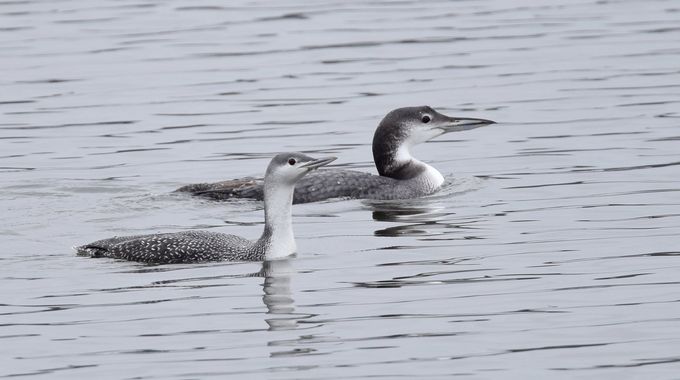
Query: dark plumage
[
  {"x": 401, "y": 175},
  {"x": 317, "y": 186}
]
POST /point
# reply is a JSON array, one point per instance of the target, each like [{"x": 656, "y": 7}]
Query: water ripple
[{"x": 552, "y": 248}]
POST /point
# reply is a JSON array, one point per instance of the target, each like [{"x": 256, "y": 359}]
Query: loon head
[
  {"x": 406, "y": 127},
  {"x": 288, "y": 168},
  {"x": 283, "y": 172}
]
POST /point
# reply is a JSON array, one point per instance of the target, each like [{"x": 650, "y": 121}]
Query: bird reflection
[
  {"x": 277, "y": 295},
  {"x": 418, "y": 218},
  {"x": 417, "y": 215}
]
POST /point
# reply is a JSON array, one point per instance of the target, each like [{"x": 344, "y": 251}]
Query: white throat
[
  {"x": 430, "y": 176},
  {"x": 278, "y": 221}
]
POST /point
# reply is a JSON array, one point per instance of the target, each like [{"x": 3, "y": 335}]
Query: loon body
[
  {"x": 276, "y": 241},
  {"x": 400, "y": 176}
]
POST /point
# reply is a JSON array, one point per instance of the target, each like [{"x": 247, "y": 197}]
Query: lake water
[{"x": 553, "y": 251}]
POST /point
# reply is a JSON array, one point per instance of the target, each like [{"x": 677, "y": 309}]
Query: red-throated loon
[
  {"x": 277, "y": 240},
  {"x": 401, "y": 175}
]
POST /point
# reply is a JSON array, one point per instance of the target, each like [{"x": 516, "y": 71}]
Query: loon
[
  {"x": 401, "y": 175},
  {"x": 277, "y": 240}
]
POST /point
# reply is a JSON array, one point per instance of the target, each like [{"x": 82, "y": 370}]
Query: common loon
[
  {"x": 277, "y": 240},
  {"x": 401, "y": 175}
]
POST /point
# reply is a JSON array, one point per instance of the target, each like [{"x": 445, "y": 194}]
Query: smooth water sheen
[{"x": 553, "y": 252}]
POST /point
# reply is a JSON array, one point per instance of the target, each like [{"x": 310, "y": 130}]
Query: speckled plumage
[
  {"x": 180, "y": 247},
  {"x": 401, "y": 176},
  {"x": 276, "y": 241}
]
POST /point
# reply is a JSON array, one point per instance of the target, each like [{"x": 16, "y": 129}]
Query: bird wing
[{"x": 235, "y": 188}]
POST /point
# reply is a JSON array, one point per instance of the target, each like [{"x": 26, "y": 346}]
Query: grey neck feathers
[
  {"x": 395, "y": 161},
  {"x": 391, "y": 152},
  {"x": 277, "y": 240},
  {"x": 407, "y": 169}
]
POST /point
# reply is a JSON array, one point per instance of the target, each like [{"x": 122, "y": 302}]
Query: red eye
[{"x": 291, "y": 161}]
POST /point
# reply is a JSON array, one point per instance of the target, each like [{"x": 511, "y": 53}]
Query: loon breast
[
  {"x": 426, "y": 181},
  {"x": 417, "y": 174},
  {"x": 433, "y": 177}
]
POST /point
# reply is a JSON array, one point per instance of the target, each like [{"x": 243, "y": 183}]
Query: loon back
[
  {"x": 325, "y": 184},
  {"x": 174, "y": 248}
]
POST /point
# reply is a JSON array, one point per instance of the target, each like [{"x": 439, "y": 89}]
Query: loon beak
[
  {"x": 311, "y": 165},
  {"x": 454, "y": 124}
]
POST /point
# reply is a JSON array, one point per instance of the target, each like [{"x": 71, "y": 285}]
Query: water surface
[{"x": 553, "y": 250}]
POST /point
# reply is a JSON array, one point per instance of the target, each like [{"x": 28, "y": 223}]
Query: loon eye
[
  {"x": 291, "y": 161},
  {"x": 426, "y": 118}
]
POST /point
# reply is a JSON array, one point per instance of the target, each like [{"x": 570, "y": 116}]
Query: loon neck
[
  {"x": 277, "y": 239},
  {"x": 401, "y": 165},
  {"x": 392, "y": 155}
]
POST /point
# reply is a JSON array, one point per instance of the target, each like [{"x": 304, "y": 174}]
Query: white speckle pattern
[{"x": 181, "y": 247}]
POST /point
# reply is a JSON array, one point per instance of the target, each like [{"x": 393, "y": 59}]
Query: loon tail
[
  {"x": 90, "y": 251},
  {"x": 236, "y": 188}
]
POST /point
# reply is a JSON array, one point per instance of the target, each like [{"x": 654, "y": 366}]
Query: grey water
[{"x": 554, "y": 249}]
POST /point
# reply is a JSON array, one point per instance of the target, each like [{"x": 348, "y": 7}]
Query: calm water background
[{"x": 553, "y": 251}]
